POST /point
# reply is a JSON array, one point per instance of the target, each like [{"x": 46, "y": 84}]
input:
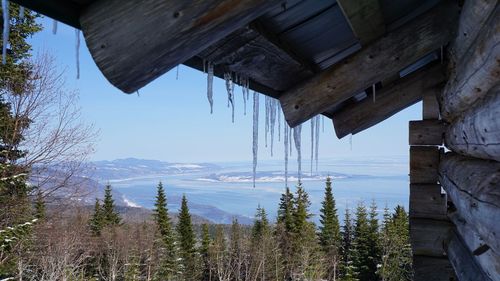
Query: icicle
[
  {"x": 297, "y": 132},
  {"x": 21, "y": 12},
  {"x": 255, "y": 135},
  {"x": 54, "y": 27},
  {"x": 272, "y": 107},
  {"x": 374, "y": 93},
  {"x": 6, "y": 28},
  {"x": 230, "y": 92},
  {"x": 290, "y": 140},
  {"x": 266, "y": 117},
  {"x": 322, "y": 123},
  {"x": 316, "y": 152},
  {"x": 243, "y": 91},
  {"x": 210, "y": 83},
  {"x": 350, "y": 141},
  {"x": 313, "y": 130},
  {"x": 77, "y": 47},
  {"x": 177, "y": 73},
  {"x": 204, "y": 62},
  {"x": 278, "y": 112},
  {"x": 285, "y": 142}
]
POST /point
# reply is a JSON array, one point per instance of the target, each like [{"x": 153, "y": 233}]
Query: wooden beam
[
  {"x": 372, "y": 64},
  {"x": 134, "y": 42},
  {"x": 473, "y": 186},
  {"x": 474, "y": 15},
  {"x": 428, "y": 236},
  {"x": 64, "y": 11},
  {"x": 365, "y": 18},
  {"x": 477, "y": 132},
  {"x": 430, "y": 105},
  {"x": 426, "y": 132},
  {"x": 391, "y": 99},
  {"x": 424, "y": 162},
  {"x": 462, "y": 261},
  {"x": 426, "y": 201},
  {"x": 476, "y": 73},
  {"x": 432, "y": 269},
  {"x": 485, "y": 257}
]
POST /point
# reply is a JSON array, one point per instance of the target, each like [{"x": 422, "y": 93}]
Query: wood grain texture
[
  {"x": 426, "y": 201},
  {"x": 466, "y": 268},
  {"x": 428, "y": 236},
  {"x": 474, "y": 15},
  {"x": 426, "y": 132},
  {"x": 391, "y": 99},
  {"x": 430, "y": 105},
  {"x": 487, "y": 259},
  {"x": 365, "y": 18},
  {"x": 432, "y": 269},
  {"x": 476, "y": 73},
  {"x": 473, "y": 185},
  {"x": 372, "y": 64},
  {"x": 424, "y": 162},
  {"x": 133, "y": 42},
  {"x": 477, "y": 132}
]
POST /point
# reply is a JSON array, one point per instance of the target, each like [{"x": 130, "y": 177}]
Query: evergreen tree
[
  {"x": 330, "y": 232},
  {"x": 301, "y": 209},
  {"x": 110, "y": 216},
  {"x": 396, "y": 262},
  {"x": 285, "y": 210},
  {"x": 374, "y": 242},
  {"x": 40, "y": 206},
  {"x": 186, "y": 242},
  {"x": 167, "y": 269},
  {"x": 361, "y": 245},
  {"x": 204, "y": 253},
  {"x": 236, "y": 250},
  {"x": 261, "y": 248},
  {"x": 347, "y": 268},
  {"x": 133, "y": 272},
  {"x": 96, "y": 222},
  {"x": 284, "y": 232}
]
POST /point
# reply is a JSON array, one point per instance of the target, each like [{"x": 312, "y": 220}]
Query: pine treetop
[{"x": 110, "y": 216}]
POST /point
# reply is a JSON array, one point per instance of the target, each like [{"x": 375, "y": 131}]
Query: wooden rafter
[
  {"x": 365, "y": 18},
  {"x": 389, "y": 100},
  {"x": 134, "y": 42},
  {"x": 372, "y": 64}
]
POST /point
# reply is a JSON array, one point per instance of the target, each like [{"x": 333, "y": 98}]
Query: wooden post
[{"x": 430, "y": 228}]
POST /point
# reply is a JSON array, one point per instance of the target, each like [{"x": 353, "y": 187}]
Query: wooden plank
[
  {"x": 474, "y": 15},
  {"x": 483, "y": 255},
  {"x": 372, "y": 64},
  {"x": 476, "y": 73},
  {"x": 430, "y": 105},
  {"x": 426, "y": 132},
  {"x": 462, "y": 261},
  {"x": 64, "y": 11},
  {"x": 250, "y": 54},
  {"x": 477, "y": 132},
  {"x": 428, "y": 236},
  {"x": 432, "y": 269},
  {"x": 473, "y": 185},
  {"x": 365, "y": 18},
  {"x": 391, "y": 99},
  {"x": 424, "y": 161},
  {"x": 426, "y": 201},
  {"x": 134, "y": 42}
]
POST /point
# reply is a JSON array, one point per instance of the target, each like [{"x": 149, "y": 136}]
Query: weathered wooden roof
[{"x": 285, "y": 49}]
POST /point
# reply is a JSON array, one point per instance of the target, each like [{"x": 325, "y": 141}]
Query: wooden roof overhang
[{"x": 316, "y": 56}]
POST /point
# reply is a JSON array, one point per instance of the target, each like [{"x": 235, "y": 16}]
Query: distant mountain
[{"x": 129, "y": 168}]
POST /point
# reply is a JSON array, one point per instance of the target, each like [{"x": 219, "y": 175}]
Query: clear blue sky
[{"x": 171, "y": 120}]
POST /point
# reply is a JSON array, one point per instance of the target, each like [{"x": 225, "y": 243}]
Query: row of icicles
[
  {"x": 273, "y": 113},
  {"x": 6, "y": 31},
  {"x": 274, "y": 121}
]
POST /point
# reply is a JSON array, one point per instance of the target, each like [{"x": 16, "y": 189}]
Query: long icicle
[
  {"x": 243, "y": 90},
  {"x": 322, "y": 123},
  {"x": 266, "y": 99},
  {"x": 255, "y": 134},
  {"x": 6, "y": 29},
  {"x": 230, "y": 92},
  {"x": 273, "y": 121},
  {"x": 210, "y": 84},
  {"x": 54, "y": 27},
  {"x": 297, "y": 133},
  {"x": 316, "y": 152},
  {"x": 77, "y": 47},
  {"x": 290, "y": 141},
  {"x": 313, "y": 130},
  {"x": 286, "y": 143},
  {"x": 278, "y": 112}
]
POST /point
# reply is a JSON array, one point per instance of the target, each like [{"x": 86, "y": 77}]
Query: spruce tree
[
  {"x": 110, "y": 216},
  {"x": 133, "y": 271},
  {"x": 330, "y": 232},
  {"x": 40, "y": 211},
  {"x": 284, "y": 232},
  {"x": 347, "y": 268},
  {"x": 285, "y": 210},
  {"x": 167, "y": 269},
  {"x": 236, "y": 250},
  {"x": 361, "y": 245},
  {"x": 186, "y": 242},
  {"x": 204, "y": 253},
  {"x": 373, "y": 242},
  {"x": 301, "y": 213},
  {"x": 96, "y": 221}
]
